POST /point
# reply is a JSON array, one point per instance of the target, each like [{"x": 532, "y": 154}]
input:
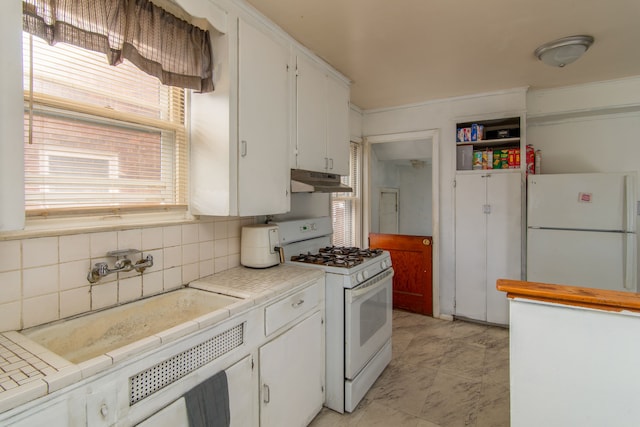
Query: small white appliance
[
  {"x": 260, "y": 246},
  {"x": 581, "y": 230},
  {"x": 358, "y": 307}
]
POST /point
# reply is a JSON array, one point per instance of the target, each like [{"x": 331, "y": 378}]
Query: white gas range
[{"x": 358, "y": 307}]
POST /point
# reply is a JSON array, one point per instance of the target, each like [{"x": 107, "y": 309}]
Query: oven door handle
[{"x": 373, "y": 284}]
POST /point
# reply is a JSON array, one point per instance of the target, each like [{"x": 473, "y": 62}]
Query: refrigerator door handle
[
  {"x": 630, "y": 201},
  {"x": 629, "y": 261}
]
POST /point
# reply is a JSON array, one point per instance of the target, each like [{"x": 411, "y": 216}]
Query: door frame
[{"x": 432, "y": 135}]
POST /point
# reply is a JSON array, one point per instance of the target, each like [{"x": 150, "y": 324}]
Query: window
[
  {"x": 346, "y": 207},
  {"x": 99, "y": 136}
]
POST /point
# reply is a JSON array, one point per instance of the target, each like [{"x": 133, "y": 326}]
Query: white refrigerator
[{"x": 581, "y": 230}]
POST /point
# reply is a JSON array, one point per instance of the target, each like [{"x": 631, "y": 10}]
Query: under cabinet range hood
[{"x": 303, "y": 181}]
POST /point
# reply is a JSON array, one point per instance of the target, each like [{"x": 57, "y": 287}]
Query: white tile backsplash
[
  {"x": 206, "y": 250},
  {"x": 129, "y": 289},
  {"x": 172, "y": 256},
  {"x": 75, "y": 301},
  {"x": 152, "y": 238},
  {"x": 152, "y": 283},
  {"x": 190, "y": 253},
  {"x": 40, "y": 281},
  {"x": 45, "y": 278},
  {"x": 39, "y": 310},
  {"x": 206, "y": 231},
  {"x": 189, "y": 233},
  {"x": 74, "y": 247},
  {"x": 190, "y": 272},
  {"x": 130, "y": 239},
  {"x": 172, "y": 278},
  {"x": 101, "y": 243},
  {"x": 39, "y": 252},
  {"x": 221, "y": 248},
  {"x": 74, "y": 274},
  {"x": 221, "y": 230},
  {"x": 11, "y": 316},
  {"x": 104, "y": 295},
  {"x": 172, "y": 236},
  {"x": 10, "y": 289},
  {"x": 10, "y": 255}
]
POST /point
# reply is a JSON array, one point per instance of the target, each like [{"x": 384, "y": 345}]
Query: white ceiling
[{"x": 400, "y": 52}]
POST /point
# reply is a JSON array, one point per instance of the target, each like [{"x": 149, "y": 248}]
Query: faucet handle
[{"x": 102, "y": 268}]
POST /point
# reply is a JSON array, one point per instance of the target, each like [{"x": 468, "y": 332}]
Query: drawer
[{"x": 287, "y": 309}]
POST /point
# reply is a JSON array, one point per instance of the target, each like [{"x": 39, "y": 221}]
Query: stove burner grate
[{"x": 335, "y": 256}]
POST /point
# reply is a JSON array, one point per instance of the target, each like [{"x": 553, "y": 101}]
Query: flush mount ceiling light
[{"x": 561, "y": 52}]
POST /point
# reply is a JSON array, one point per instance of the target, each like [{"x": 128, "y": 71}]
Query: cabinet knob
[
  {"x": 104, "y": 410},
  {"x": 426, "y": 242}
]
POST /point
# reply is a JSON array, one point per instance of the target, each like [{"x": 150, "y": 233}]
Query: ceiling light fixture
[{"x": 561, "y": 52}]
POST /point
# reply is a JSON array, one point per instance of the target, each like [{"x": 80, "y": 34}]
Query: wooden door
[{"x": 411, "y": 257}]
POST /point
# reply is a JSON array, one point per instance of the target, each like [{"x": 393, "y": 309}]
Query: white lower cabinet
[
  {"x": 292, "y": 375},
  {"x": 488, "y": 230},
  {"x": 240, "y": 385}
]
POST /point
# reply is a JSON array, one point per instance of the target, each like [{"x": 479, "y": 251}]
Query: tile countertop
[{"x": 29, "y": 371}]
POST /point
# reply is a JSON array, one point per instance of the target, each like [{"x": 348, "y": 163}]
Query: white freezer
[
  {"x": 594, "y": 201},
  {"x": 590, "y": 259}
]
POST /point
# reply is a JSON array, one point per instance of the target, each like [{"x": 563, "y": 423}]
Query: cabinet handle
[
  {"x": 243, "y": 148},
  {"x": 331, "y": 164},
  {"x": 326, "y": 163},
  {"x": 265, "y": 393},
  {"x": 297, "y": 304}
]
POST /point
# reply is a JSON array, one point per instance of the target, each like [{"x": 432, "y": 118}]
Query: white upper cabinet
[
  {"x": 240, "y": 132},
  {"x": 322, "y": 111},
  {"x": 263, "y": 123}
]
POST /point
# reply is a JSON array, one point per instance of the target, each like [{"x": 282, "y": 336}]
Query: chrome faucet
[{"x": 122, "y": 264}]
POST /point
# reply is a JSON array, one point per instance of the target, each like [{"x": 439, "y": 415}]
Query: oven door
[{"x": 367, "y": 313}]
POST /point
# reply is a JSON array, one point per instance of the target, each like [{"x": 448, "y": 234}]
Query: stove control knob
[
  {"x": 359, "y": 277},
  {"x": 383, "y": 265},
  {"x": 366, "y": 274}
]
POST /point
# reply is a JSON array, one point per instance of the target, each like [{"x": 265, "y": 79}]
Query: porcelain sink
[{"x": 85, "y": 337}]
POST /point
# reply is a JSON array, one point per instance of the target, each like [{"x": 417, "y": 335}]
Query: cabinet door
[
  {"x": 337, "y": 126},
  {"x": 292, "y": 375},
  {"x": 263, "y": 123},
  {"x": 504, "y": 240},
  {"x": 311, "y": 100},
  {"x": 471, "y": 254}
]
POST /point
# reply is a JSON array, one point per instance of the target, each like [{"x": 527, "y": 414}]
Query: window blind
[
  {"x": 98, "y": 136},
  {"x": 345, "y": 207}
]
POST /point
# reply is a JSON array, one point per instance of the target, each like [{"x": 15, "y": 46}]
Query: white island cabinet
[
  {"x": 322, "y": 112},
  {"x": 488, "y": 226},
  {"x": 240, "y": 132}
]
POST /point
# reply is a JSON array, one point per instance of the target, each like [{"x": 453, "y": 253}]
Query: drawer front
[{"x": 287, "y": 309}]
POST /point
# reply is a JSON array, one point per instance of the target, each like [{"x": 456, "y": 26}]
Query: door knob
[{"x": 426, "y": 242}]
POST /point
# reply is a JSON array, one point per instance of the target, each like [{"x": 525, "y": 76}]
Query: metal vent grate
[{"x": 164, "y": 373}]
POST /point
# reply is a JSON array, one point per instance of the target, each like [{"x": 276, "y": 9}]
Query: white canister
[{"x": 260, "y": 246}]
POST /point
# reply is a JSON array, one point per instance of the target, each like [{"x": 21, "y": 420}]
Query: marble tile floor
[{"x": 443, "y": 374}]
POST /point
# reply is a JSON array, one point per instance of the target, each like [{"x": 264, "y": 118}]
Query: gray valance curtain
[{"x": 175, "y": 51}]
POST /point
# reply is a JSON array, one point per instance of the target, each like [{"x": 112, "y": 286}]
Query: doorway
[
  {"x": 388, "y": 210},
  {"x": 406, "y": 162}
]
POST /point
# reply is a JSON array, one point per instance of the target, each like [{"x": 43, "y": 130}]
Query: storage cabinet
[
  {"x": 322, "y": 111},
  {"x": 240, "y": 132},
  {"x": 263, "y": 123},
  {"x": 292, "y": 375},
  {"x": 497, "y": 141},
  {"x": 488, "y": 238}
]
